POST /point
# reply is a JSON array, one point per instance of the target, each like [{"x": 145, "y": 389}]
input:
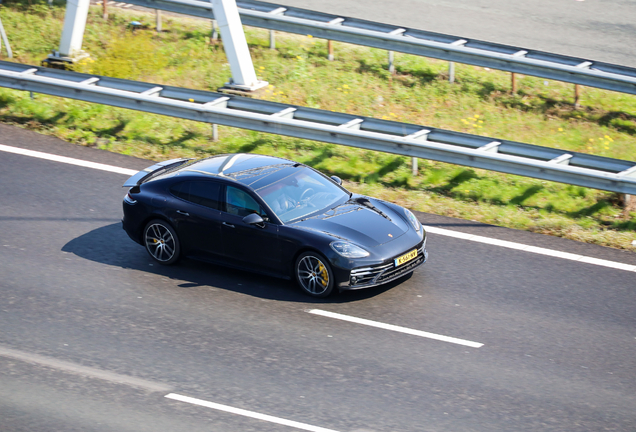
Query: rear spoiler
[{"x": 155, "y": 169}]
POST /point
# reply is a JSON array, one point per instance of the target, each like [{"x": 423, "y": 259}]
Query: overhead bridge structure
[
  {"x": 338, "y": 128},
  {"x": 418, "y": 42}
]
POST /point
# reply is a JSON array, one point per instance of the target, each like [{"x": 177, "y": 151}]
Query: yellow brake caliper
[{"x": 324, "y": 275}]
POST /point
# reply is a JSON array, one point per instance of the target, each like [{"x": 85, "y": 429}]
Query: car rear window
[{"x": 205, "y": 193}]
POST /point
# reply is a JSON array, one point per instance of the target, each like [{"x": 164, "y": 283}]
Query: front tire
[
  {"x": 161, "y": 242},
  {"x": 314, "y": 274}
]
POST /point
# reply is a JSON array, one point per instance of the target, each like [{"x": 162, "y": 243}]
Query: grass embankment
[{"x": 357, "y": 82}]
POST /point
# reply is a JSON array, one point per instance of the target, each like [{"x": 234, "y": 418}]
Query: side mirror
[
  {"x": 254, "y": 219},
  {"x": 336, "y": 180}
]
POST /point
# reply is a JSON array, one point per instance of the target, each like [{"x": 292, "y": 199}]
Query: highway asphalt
[
  {"x": 93, "y": 335},
  {"x": 597, "y": 30}
]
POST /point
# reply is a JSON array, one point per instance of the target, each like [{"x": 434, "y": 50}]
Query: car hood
[{"x": 363, "y": 221}]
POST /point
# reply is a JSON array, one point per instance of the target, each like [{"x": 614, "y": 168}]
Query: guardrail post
[
  {"x": 215, "y": 132},
  {"x": 330, "y": 50},
  {"x": 513, "y": 79},
  {"x": 414, "y": 166},
  {"x": 105, "y": 9},
  {"x": 235, "y": 45},
  {"x": 577, "y": 95},
  {"x": 272, "y": 40},
  {"x": 4, "y": 39},
  {"x": 451, "y": 72},
  {"x": 158, "y": 20},
  {"x": 391, "y": 62},
  {"x": 214, "y": 36},
  {"x": 629, "y": 205}
]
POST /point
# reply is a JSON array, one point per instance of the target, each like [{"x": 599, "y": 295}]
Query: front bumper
[{"x": 370, "y": 276}]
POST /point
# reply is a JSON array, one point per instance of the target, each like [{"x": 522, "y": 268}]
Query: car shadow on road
[{"x": 110, "y": 245}]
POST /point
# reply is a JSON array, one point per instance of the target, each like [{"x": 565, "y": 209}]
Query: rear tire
[
  {"x": 161, "y": 242},
  {"x": 314, "y": 275}
]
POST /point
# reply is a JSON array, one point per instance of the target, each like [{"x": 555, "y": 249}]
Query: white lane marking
[
  {"x": 532, "y": 249},
  {"x": 247, "y": 413},
  {"x": 82, "y": 370},
  {"x": 434, "y": 230},
  {"x": 67, "y": 160},
  {"x": 395, "y": 328}
]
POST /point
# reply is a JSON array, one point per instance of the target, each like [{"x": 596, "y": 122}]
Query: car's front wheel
[
  {"x": 161, "y": 242},
  {"x": 314, "y": 274}
]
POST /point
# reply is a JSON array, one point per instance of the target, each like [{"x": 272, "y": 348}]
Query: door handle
[
  {"x": 183, "y": 213},
  {"x": 228, "y": 225}
]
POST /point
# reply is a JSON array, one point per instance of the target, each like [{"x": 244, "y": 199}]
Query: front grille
[{"x": 385, "y": 272}]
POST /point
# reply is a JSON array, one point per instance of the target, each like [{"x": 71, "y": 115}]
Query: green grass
[{"x": 480, "y": 102}]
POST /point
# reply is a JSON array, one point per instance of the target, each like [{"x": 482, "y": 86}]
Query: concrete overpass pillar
[{"x": 235, "y": 45}]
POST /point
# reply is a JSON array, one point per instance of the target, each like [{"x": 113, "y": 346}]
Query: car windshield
[{"x": 300, "y": 194}]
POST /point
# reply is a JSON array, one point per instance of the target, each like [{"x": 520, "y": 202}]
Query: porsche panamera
[{"x": 272, "y": 216}]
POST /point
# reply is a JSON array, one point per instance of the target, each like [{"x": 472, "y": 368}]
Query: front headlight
[
  {"x": 411, "y": 217},
  {"x": 348, "y": 250}
]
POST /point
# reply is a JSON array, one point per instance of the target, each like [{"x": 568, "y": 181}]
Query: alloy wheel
[
  {"x": 313, "y": 275},
  {"x": 160, "y": 242}
]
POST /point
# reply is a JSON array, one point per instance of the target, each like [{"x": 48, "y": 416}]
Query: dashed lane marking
[
  {"x": 395, "y": 328},
  {"x": 430, "y": 229},
  {"x": 246, "y": 413}
]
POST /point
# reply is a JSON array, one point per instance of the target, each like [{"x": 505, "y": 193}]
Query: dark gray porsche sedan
[{"x": 272, "y": 216}]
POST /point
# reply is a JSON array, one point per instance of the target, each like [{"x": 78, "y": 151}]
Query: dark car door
[
  {"x": 197, "y": 217},
  {"x": 248, "y": 245}
]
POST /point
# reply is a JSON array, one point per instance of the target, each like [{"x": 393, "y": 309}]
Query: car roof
[{"x": 250, "y": 169}]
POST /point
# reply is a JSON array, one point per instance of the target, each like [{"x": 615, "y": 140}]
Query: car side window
[
  {"x": 205, "y": 193},
  {"x": 240, "y": 203}
]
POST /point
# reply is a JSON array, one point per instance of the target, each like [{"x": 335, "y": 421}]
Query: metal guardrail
[
  {"x": 344, "y": 129},
  {"x": 418, "y": 42}
]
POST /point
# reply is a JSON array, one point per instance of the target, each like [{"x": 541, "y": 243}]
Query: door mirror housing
[
  {"x": 254, "y": 219},
  {"x": 337, "y": 180}
]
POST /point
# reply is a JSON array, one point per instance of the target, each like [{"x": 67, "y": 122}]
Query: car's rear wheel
[
  {"x": 314, "y": 274},
  {"x": 161, "y": 242}
]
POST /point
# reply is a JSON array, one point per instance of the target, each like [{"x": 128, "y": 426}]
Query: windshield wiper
[{"x": 365, "y": 202}]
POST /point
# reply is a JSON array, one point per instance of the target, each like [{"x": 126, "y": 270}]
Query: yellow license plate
[{"x": 406, "y": 258}]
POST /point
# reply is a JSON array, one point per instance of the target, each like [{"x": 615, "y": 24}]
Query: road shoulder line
[
  {"x": 531, "y": 249},
  {"x": 67, "y": 160}
]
